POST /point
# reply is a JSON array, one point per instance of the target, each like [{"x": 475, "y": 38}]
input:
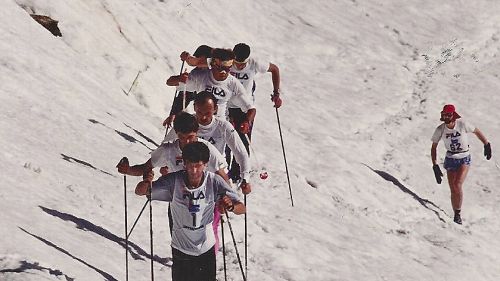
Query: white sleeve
[
  {"x": 193, "y": 81},
  {"x": 469, "y": 128},
  {"x": 159, "y": 156},
  {"x": 438, "y": 133},
  {"x": 238, "y": 148},
  {"x": 170, "y": 136},
  {"x": 261, "y": 67},
  {"x": 222, "y": 188},
  {"x": 240, "y": 98},
  {"x": 162, "y": 188},
  {"x": 216, "y": 160}
]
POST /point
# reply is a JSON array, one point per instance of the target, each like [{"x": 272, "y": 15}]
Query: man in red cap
[{"x": 453, "y": 132}]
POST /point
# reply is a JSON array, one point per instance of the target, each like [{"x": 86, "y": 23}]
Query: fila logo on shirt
[
  {"x": 216, "y": 91},
  {"x": 240, "y": 76},
  {"x": 191, "y": 196},
  {"x": 457, "y": 134}
]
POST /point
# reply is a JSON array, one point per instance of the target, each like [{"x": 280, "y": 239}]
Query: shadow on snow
[
  {"x": 142, "y": 135},
  {"x": 47, "y": 242},
  {"x": 135, "y": 251},
  {"x": 26, "y": 266},
  {"x": 424, "y": 202},
  {"x": 72, "y": 159},
  {"x": 126, "y": 136}
]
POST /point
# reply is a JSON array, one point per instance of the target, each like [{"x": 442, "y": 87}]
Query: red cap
[{"x": 449, "y": 108}]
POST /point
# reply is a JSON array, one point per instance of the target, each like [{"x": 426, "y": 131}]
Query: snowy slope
[{"x": 363, "y": 84}]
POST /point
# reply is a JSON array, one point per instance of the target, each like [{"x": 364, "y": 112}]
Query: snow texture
[{"x": 363, "y": 83}]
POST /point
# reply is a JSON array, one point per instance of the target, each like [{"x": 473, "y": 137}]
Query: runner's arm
[
  {"x": 480, "y": 136},
  {"x": 136, "y": 170},
  {"x": 275, "y": 75},
  {"x": 433, "y": 152}
]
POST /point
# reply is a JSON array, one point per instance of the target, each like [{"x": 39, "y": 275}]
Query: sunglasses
[
  {"x": 446, "y": 114},
  {"x": 221, "y": 68}
]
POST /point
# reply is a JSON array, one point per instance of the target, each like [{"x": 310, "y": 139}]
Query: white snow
[{"x": 363, "y": 84}]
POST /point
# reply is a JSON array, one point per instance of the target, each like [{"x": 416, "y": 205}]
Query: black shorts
[{"x": 193, "y": 268}]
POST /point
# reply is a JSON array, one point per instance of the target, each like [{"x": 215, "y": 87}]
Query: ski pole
[
  {"x": 176, "y": 91},
  {"x": 137, "y": 219},
  {"x": 151, "y": 230},
  {"x": 223, "y": 248},
  {"x": 175, "y": 94},
  {"x": 235, "y": 247},
  {"x": 245, "y": 215},
  {"x": 284, "y": 156},
  {"x": 184, "y": 95},
  {"x": 182, "y": 66},
  {"x": 126, "y": 225},
  {"x": 246, "y": 236},
  {"x": 124, "y": 161}
]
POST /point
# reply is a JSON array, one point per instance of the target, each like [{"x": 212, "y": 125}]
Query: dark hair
[
  {"x": 203, "y": 97},
  {"x": 222, "y": 54},
  {"x": 195, "y": 152},
  {"x": 185, "y": 123},
  {"x": 241, "y": 51},
  {"x": 203, "y": 51}
]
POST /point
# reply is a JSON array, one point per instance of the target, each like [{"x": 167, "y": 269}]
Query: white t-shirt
[
  {"x": 192, "y": 209},
  {"x": 455, "y": 140},
  {"x": 169, "y": 154},
  {"x": 219, "y": 133},
  {"x": 247, "y": 75},
  {"x": 229, "y": 90}
]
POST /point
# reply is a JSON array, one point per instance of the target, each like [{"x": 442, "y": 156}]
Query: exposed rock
[{"x": 48, "y": 23}]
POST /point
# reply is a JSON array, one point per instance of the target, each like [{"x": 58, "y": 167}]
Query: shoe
[{"x": 457, "y": 219}]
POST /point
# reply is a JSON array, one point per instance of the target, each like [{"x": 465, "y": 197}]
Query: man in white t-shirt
[
  {"x": 245, "y": 68},
  {"x": 226, "y": 88},
  {"x": 168, "y": 156},
  {"x": 193, "y": 194},
  {"x": 453, "y": 132}
]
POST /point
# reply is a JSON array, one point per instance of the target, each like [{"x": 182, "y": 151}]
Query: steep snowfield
[{"x": 363, "y": 84}]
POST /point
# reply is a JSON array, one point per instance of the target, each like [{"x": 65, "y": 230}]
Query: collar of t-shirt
[
  {"x": 209, "y": 125},
  {"x": 187, "y": 185},
  {"x": 212, "y": 79}
]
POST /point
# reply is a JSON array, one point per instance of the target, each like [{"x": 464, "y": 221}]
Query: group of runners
[{"x": 205, "y": 153}]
